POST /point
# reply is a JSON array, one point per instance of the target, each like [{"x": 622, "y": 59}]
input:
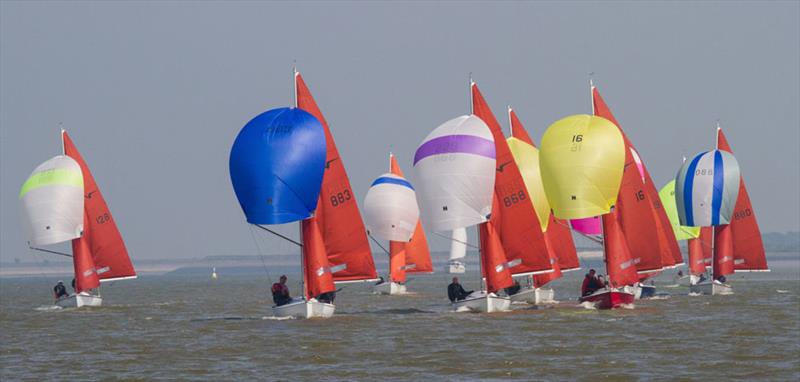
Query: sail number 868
[{"x": 513, "y": 198}]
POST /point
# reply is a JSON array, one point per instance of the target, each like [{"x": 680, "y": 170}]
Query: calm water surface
[{"x": 190, "y": 327}]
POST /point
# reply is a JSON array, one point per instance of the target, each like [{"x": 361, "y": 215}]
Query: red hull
[{"x": 609, "y": 299}]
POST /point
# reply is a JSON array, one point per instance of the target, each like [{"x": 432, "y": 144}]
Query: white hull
[
  {"x": 300, "y": 308},
  {"x": 79, "y": 300},
  {"x": 390, "y": 288},
  {"x": 457, "y": 267},
  {"x": 535, "y": 296},
  {"x": 711, "y": 288},
  {"x": 482, "y": 302}
]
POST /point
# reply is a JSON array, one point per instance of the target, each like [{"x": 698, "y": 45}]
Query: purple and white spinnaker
[{"x": 455, "y": 169}]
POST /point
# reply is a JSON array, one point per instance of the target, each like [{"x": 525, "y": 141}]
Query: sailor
[
  {"x": 60, "y": 290},
  {"x": 380, "y": 280},
  {"x": 280, "y": 292},
  {"x": 590, "y": 283},
  {"x": 327, "y": 297},
  {"x": 73, "y": 284},
  {"x": 702, "y": 278},
  {"x": 514, "y": 289},
  {"x": 456, "y": 292}
]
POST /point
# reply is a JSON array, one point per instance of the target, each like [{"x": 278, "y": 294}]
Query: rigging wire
[
  {"x": 455, "y": 240},
  {"x": 378, "y": 243}
]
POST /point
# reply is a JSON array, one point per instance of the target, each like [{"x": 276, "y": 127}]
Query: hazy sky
[{"x": 154, "y": 93}]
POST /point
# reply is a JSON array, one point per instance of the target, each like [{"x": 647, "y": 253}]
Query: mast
[
  {"x": 294, "y": 81},
  {"x": 714, "y": 231},
  {"x": 303, "y": 283},
  {"x": 63, "y": 148},
  {"x": 510, "y": 125}
]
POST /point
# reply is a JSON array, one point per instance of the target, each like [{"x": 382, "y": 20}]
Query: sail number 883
[{"x": 338, "y": 198}]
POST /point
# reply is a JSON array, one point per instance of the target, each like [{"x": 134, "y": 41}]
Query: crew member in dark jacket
[
  {"x": 456, "y": 292},
  {"x": 280, "y": 292},
  {"x": 60, "y": 290}
]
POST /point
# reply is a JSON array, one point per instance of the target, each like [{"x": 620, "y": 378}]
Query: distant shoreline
[{"x": 159, "y": 267}]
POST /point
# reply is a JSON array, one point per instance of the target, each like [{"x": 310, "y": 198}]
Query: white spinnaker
[
  {"x": 454, "y": 170},
  {"x": 697, "y": 207},
  {"x": 458, "y": 245},
  {"x": 390, "y": 208},
  {"x": 52, "y": 202}
]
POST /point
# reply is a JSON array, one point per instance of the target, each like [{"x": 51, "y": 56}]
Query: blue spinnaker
[{"x": 276, "y": 166}]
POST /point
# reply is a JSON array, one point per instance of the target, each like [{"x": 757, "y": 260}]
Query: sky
[{"x": 154, "y": 93}]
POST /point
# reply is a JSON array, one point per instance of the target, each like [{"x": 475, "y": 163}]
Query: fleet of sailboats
[{"x": 526, "y": 201}]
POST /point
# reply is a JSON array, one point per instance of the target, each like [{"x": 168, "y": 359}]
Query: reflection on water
[{"x": 196, "y": 328}]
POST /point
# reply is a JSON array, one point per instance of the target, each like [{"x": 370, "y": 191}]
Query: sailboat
[
  {"x": 391, "y": 213},
  {"x": 748, "y": 248},
  {"x": 61, "y": 201},
  {"x": 458, "y": 251},
  {"x": 582, "y": 159},
  {"x": 276, "y": 168},
  {"x": 455, "y": 171},
  {"x": 556, "y": 233},
  {"x": 307, "y": 182},
  {"x": 214, "y": 273},
  {"x": 642, "y": 218},
  {"x": 739, "y": 240},
  {"x": 699, "y": 254},
  {"x": 338, "y": 218},
  {"x": 707, "y": 188},
  {"x": 516, "y": 219}
]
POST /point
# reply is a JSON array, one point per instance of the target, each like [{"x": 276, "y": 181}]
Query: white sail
[
  {"x": 458, "y": 250},
  {"x": 455, "y": 170},
  {"x": 390, "y": 208},
  {"x": 706, "y": 189},
  {"x": 52, "y": 202}
]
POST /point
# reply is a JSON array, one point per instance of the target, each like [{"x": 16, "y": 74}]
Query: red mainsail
[
  {"x": 397, "y": 261},
  {"x": 337, "y": 215},
  {"x": 514, "y": 217},
  {"x": 723, "y": 251},
  {"x": 700, "y": 251},
  {"x": 642, "y": 217},
  {"x": 748, "y": 248},
  {"x": 318, "y": 278},
  {"x": 619, "y": 263},
  {"x": 85, "y": 273},
  {"x": 103, "y": 240},
  {"x": 417, "y": 258},
  {"x": 493, "y": 258},
  {"x": 558, "y": 238}
]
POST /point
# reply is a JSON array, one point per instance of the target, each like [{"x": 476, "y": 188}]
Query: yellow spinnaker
[
  {"x": 527, "y": 158},
  {"x": 581, "y": 161},
  {"x": 667, "y": 196}
]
